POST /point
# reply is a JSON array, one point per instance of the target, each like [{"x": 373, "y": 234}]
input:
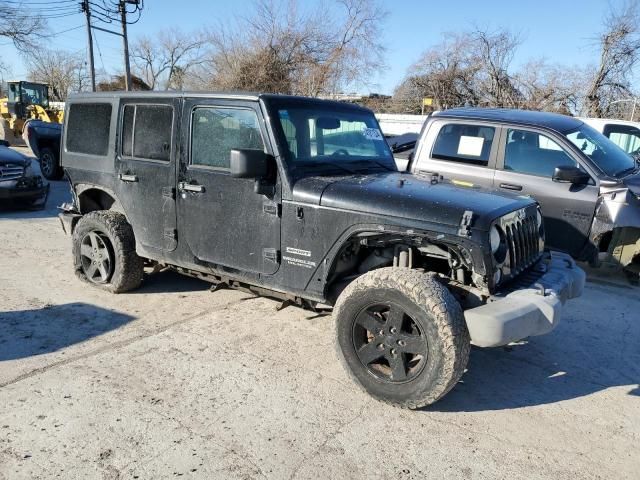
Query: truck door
[
  {"x": 529, "y": 159},
  {"x": 146, "y": 171},
  {"x": 221, "y": 218},
  {"x": 459, "y": 152}
]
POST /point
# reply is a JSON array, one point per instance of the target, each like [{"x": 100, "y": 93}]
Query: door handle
[
  {"x": 189, "y": 187},
  {"x": 128, "y": 178},
  {"x": 511, "y": 186}
]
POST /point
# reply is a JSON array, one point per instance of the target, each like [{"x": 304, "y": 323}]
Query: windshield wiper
[
  {"x": 380, "y": 164},
  {"x": 324, "y": 165},
  {"x": 626, "y": 171}
]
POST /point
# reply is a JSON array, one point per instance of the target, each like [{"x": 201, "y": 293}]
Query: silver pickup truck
[{"x": 588, "y": 188}]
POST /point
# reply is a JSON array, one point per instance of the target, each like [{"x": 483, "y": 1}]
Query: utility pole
[
  {"x": 92, "y": 70},
  {"x": 125, "y": 41}
]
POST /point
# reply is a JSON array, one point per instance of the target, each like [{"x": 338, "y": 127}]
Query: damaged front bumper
[
  {"x": 532, "y": 307},
  {"x": 68, "y": 216}
]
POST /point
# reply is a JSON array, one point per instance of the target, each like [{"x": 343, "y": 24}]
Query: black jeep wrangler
[{"x": 300, "y": 199}]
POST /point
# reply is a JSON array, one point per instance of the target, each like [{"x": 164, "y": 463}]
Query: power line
[{"x": 26, "y": 4}]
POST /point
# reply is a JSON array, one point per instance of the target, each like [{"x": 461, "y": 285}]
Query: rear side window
[
  {"x": 88, "y": 128},
  {"x": 534, "y": 154},
  {"x": 146, "y": 131},
  {"x": 216, "y": 131},
  {"x": 464, "y": 143}
]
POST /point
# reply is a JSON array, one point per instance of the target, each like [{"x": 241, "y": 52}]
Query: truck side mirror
[
  {"x": 247, "y": 163},
  {"x": 4, "y": 143},
  {"x": 573, "y": 175}
]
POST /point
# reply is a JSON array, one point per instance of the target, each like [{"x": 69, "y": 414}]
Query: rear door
[
  {"x": 221, "y": 218},
  {"x": 528, "y": 159},
  {"x": 146, "y": 167},
  {"x": 461, "y": 152}
]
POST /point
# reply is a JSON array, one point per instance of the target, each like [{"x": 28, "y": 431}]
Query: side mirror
[
  {"x": 573, "y": 175},
  {"x": 4, "y": 143},
  {"x": 249, "y": 164}
]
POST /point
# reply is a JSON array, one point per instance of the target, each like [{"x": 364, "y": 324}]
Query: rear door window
[
  {"x": 88, "y": 128},
  {"x": 464, "y": 143},
  {"x": 146, "y": 131},
  {"x": 534, "y": 154}
]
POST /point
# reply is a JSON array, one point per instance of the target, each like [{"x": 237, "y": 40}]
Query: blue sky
[{"x": 562, "y": 31}]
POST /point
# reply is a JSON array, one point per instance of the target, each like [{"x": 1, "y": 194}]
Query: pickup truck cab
[
  {"x": 587, "y": 187},
  {"x": 299, "y": 199}
]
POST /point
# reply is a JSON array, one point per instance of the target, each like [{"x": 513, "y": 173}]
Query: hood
[
  {"x": 11, "y": 157},
  {"x": 407, "y": 196}
]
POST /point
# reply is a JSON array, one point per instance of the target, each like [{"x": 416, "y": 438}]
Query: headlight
[
  {"x": 498, "y": 243},
  {"x": 494, "y": 239},
  {"x": 540, "y": 223}
]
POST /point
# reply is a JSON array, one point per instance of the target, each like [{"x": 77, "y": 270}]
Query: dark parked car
[
  {"x": 44, "y": 140},
  {"x": 19, "y": 183},
  {"x": 300, "y": 199},
  {"x": 588, "y": 188}
]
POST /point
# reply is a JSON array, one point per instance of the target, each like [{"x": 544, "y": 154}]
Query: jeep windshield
[
  {"x": 328, "y": 140},
  {"x": 607, "y": 156}
]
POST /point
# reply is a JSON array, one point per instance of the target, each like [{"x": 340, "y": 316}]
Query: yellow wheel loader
[{"x": 26, "y": 101}]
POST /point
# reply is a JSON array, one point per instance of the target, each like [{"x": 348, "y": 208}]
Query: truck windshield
[
  {"x": 608, "y": 156},
  {"x": 343, "y": 140}
]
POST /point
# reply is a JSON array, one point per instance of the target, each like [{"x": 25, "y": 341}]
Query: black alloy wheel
[{"x": 389, "y": 343}]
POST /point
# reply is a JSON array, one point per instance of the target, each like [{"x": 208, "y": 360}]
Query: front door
[
  {"x": 527, "y": 168},
  {"x": 221, "y": 218},
  {"x": 146, "y": 166}
]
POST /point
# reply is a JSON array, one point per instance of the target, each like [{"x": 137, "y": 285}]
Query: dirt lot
[{"x": 174, "y": 380}]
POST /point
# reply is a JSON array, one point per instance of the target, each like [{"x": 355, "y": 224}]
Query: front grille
[
  {"x": 10, "y": 172},
  {"x": 524, "y": 245}
]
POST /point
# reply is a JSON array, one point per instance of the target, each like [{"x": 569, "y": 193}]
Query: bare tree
[
  {"x": 492, "y": 54},
  {"x": 63, "y": 71},
  {"x": 473, "y": 68},
  {"x": 555, "y": 88},
  {"x": 165, "y": 60},
  {"x": 619, "y": 54},
  {"x": 117, "y": 83},
  {"x": 21, "y": 28},
  {"x": 280, "y": 49}
]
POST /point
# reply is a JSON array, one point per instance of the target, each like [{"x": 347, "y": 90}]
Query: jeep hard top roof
[
  {"x": 552, "y": 121},
  {"x": 247, "y": 96}
]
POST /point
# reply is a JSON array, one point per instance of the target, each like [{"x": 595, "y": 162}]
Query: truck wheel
[
  {"x": 50, "y": 165},
  {"x": 104, "y": 252},
  {"x": 401, "y": 335}
]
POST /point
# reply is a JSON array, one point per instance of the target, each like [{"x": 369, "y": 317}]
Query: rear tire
[
  {"x": 104, "y": 252},
  {"x": 401, "y": 336},
  {"x": 50, "y": 164}
]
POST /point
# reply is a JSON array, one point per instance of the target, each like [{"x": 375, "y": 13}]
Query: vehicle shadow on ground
[
  {"x": 579, "y": 358},
  {"x": 169, "y": 281},
  {"x": 26, "y": 333}
]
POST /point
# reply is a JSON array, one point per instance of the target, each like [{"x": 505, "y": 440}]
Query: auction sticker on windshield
[{"x": 372, "y": 134}]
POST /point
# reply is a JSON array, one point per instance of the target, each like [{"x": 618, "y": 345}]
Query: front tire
[
  {"x": 401, "y": 336},
  {"x": 50, "y": 164},
  {"x": 104, "y": 252}
]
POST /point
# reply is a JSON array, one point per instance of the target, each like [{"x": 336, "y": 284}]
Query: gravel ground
[{"x": 174, "y": 380}]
